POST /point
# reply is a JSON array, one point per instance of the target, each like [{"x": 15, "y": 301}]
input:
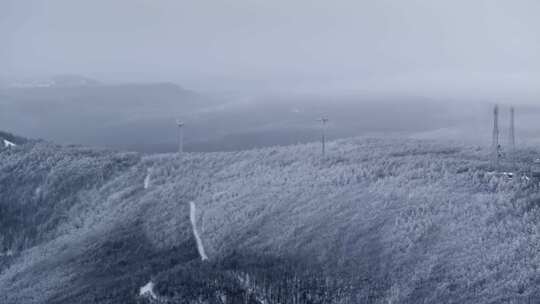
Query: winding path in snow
[
  {"x": 193, "y": 219},
  {"x": 147, "y": 179}
]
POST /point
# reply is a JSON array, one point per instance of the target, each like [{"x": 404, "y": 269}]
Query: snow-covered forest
[
  {"x": 375, "y": 221},
  {"x": 269, "y": 152}
]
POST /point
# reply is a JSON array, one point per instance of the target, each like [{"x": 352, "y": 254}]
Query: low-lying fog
[{"x": 142, "y": 117}]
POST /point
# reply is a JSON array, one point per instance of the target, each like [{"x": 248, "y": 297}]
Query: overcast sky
[{"x": 414, "y": 45}]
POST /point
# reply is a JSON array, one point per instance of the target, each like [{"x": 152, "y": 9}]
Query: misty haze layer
[
  {"x": 141, "y": 117},
  {"x": 417, "y": 46}
]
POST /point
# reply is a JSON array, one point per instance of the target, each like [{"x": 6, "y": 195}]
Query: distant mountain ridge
[
  {"x": 62, "y": 80},
  {"x": 67, "y": 114}
]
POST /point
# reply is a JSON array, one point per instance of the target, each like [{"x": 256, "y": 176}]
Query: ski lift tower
[
  {"x": 323, "y": 120},
  {"x": 180, "y": 125}
]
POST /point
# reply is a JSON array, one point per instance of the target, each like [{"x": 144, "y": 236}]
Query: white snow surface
[
  {"x": 8, "y": 144},
  {"x": 147, "y": 180},
  {"x": 148, "y": 290},
  {"x": 193, "y": 219}
]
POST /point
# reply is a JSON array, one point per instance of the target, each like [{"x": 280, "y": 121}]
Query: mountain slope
[{"x": 377, "y": 221}]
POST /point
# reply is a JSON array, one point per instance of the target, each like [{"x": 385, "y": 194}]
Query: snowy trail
[
  {"x": 193, "y": 220},
  {"x": 147, "y": 180}
]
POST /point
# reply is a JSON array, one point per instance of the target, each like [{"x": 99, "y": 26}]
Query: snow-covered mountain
[{"x": 376, "y": 221}]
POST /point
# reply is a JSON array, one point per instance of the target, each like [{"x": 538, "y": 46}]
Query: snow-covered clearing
[
  {"x": 192, "y": 218},
  {"x": 8, "y": 144},
  {"x": 148, "y": 290}
]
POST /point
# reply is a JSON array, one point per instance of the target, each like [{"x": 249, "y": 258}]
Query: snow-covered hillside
[{"x": 377, "y": 221}]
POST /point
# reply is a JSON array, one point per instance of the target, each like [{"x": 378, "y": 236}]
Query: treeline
[{"x": 257, "y": 279}]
